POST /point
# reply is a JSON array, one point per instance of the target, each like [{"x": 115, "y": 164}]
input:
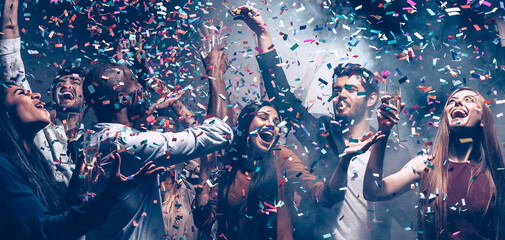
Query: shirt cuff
[{"x": 10, "y": 46}]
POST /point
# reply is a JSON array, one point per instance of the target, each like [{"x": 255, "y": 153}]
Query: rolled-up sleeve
[{"x": 12, "y": 67}]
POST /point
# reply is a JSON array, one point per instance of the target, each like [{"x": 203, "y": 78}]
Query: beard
[
  {"x": 356, "y": 113},
  {"x": 74, "y": 107},
  {"x": 137, "y": 110}
]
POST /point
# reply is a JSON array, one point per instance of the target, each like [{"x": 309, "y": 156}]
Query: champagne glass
[
  {"x": 91, "y": 151},
  {"x": 396, "y": 100}
]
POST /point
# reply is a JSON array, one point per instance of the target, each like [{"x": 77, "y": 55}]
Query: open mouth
[
  {"x": 266, "y": 136},
  {"x": 40, "y": 105},
  {"x": 341, "y": 105},
  {"x": 458, "y": 113},
  {"x": 67, "y": 95}
]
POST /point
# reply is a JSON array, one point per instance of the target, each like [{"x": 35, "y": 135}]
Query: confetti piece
[{"x": 465, "y": 140}]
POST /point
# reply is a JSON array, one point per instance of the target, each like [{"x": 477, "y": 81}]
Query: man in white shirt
[{"x": 117, "y": 99}]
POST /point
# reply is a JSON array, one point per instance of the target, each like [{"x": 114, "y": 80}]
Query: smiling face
[
  {"x": 25, "y": 109},
  {"x": 68, "y": 93},
  {"x": 264, "y": 126},
  {"x": 463, "y": 110},
  {"x": 348, "y": 105}
]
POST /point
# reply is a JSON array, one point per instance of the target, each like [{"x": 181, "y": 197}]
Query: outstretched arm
[
  {"x": 12, "y": 67},
  {"x": 329, "y": 192},
  {"x": 275, "y": 81},
  {"x": 375, "y": 187},
  {"x": 339, "y": 178},
  {"x": 500, "y": 25},
  {"x": 216, "y": 64},
  {"x": 10, "y": 26},
  {"x": 310, "y": 72}
]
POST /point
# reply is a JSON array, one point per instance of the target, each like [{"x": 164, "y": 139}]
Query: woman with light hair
[{"x": 461, "y": 185}]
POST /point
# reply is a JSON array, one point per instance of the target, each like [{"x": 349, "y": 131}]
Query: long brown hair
[{"x": 434, "y": 224}]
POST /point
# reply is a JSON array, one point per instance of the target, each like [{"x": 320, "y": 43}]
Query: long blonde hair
[{"x": 434, "y": 224}]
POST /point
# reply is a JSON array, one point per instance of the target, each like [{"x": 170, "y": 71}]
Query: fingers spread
[
  {"x": 147, "y": 170},
  {"x": 156, "y": 171}
]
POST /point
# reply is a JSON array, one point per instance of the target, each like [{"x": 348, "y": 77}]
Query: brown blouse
[{"x": 298, "y": 177}]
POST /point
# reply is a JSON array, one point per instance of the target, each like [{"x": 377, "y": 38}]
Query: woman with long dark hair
[
  {"x": 254, "y": 197},
  {"x": 30, "y": 204},
  {"x": 461, "y": 185}
]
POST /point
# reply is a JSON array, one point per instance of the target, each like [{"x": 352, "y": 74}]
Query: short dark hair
[
  {"x": 82, "y": 72},
  {"x": 102, "y": 85},
  {"x": 348, "y": 69}
]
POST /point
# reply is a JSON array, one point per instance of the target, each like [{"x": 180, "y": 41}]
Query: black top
[{"x": 24, "y": 217}]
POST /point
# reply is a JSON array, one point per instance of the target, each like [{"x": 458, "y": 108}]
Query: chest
[
  {"x": 239, "y": 190},
  {"x": 468, "y": 193}
]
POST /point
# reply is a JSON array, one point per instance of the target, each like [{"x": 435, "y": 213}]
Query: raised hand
[
  {"x": 134, "y": 46},
  {"x": 252, "y": 17},
  {"x": 387, "y": 114},
  {"x": 211, "y": 36},
  {"x": 157, "y": 85},
  {"x": 356, "y": 148},
  {"x": 119, "y": 184},
  {"x": 167, "y": 100},
  {"x": 216, "y": 60}
]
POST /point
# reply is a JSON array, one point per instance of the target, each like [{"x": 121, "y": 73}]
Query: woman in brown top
[
  {"x": 254, "y": 196},
  {"x": 461, "y": 184}
]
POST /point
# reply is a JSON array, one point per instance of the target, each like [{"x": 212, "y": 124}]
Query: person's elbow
[
  {"x": 369, "y": 196},
  {"x": 375, "y": 194},
  {"x": 339, "y": 197}
]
